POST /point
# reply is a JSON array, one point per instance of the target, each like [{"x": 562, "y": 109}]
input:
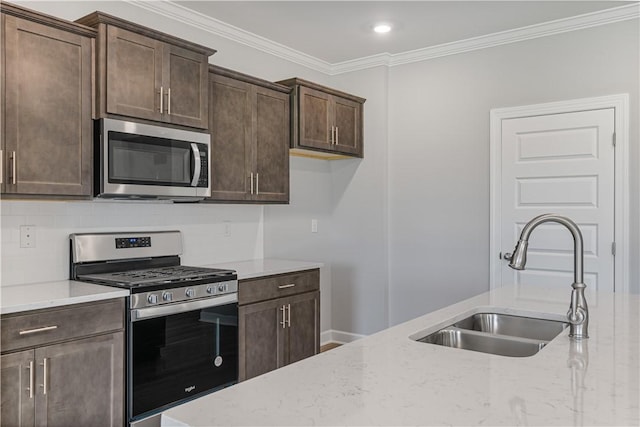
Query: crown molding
[
  {"x": 579, "y": 22},
  {"x": 180, "y": 13},
  {"x": 214, "y": 26}
]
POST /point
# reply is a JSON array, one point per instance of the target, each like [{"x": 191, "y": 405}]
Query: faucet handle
[{"x": 507, "y": 256}]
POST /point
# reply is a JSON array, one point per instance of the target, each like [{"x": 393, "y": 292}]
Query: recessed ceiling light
[{"x": 382, "y": 28}]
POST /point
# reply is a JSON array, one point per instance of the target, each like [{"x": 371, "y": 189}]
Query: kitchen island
[{"x": 390, "y": 379}]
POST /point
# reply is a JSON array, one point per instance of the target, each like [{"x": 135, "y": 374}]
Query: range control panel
[{"x": 133, "y": 242}]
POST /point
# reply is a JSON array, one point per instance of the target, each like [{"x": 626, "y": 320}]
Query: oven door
[
  {"x": 153, "y": 161},
  {"x": 181, "y": 351}
]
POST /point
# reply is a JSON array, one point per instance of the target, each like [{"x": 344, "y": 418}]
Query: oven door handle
[
  {"x": 165, "y": 310},
  {"x": 196, "y": 163}
]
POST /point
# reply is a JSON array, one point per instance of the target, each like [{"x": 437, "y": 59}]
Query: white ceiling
[{"x": 337, "y": 31}]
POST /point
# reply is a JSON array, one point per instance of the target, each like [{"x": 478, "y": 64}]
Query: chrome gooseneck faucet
[{"x": 578, "y": 314}]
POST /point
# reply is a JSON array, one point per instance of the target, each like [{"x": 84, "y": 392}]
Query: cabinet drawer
[
  {"x": 265, "y": 288},
  {"x": 42, "y": 327}
]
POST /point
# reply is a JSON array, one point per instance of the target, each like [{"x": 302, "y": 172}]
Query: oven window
[
  {"x": 135, "y": 159},
  {"x": 182, "y": 356}
]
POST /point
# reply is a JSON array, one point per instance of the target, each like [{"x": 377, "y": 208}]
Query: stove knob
[
  {"x": 152, "y": 299},
  {"x": 190, "y": 293},
  {"x": 167, "y": 296},
  {"x": 210, "y": 290},
  {"x": 222, "y": 288}
]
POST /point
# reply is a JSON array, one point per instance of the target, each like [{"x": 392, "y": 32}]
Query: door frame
[{"x": 620, "y": 104}]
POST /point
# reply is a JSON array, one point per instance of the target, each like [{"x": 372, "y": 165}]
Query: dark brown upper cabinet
[
  {"x": 149, "y": 75},
  {"x": 250, "y": 138},
  {"x": 45, "y": 82},
  {"x": 326, "y": 123}
]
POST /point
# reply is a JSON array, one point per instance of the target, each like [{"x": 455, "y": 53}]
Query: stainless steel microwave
[{"x": 142, "y": 161}]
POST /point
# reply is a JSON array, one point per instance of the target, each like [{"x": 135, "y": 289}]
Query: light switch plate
[{"x": 314, "y": 225}]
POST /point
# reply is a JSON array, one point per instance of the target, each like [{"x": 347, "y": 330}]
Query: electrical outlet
[
  {"x": 227, "y": 228},
  {"x": 27, "y": 236},
  {"x": 314, "y": 225}
]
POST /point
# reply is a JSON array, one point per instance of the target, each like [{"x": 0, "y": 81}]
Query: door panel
[
  {"x": 230, "y": 103},
  {"x": 188, "y": 80},
  {"x": 304, "y": 327},
  {"x": 48, "y": 129},
  {"x": 80, "y": 377},
  {"x": 261, "y": 338},
  {"x": 134, "y": 74},
  {"x": 17, "y": 408},
  {"x": 564, "y": 164},
  {"x": 271, "y": 127},
  {"x": 347, "y": 122},
  {"x": 315, "y": 119}
]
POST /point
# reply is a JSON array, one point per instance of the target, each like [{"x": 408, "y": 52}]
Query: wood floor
[{"x": 329, "y": 346}]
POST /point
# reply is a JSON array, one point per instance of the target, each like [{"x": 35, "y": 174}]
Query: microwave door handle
[{"x": 196, "y": 162}]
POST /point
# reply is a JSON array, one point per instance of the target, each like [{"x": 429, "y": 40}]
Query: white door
[{"x": 564, "y": 164}]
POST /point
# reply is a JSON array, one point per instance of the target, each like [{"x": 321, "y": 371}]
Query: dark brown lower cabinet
[
  {"x": 79, "y": 382},
  {"x": 279, "y": 330}
]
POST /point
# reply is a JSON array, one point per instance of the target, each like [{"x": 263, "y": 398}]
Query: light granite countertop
[
  {"x": 34, "y": 296},
  {"x": 250, "y": 269},
  {"x": 390, "y": 379}
]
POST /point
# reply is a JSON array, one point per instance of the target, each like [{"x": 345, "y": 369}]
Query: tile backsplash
[{"x": 211, "y": 233}]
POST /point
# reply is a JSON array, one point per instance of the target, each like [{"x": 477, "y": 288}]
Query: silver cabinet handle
[
  {"x": 45, "y": 381},
  {"x": 32, "y": 379},
  {"x": 337, "y": 136},
  {"x": 169, "y": 101},
  {"x": 161, "y": 99},
  {"x": 257, "y": 183},
  {"x": 290, "y": 285},
  {"x": 289, "y": 315},
  {"x": 251, "y": 182},
  {"x": 14, "y": 172},
  {"x": 283, "y": 322},
  {"x": 33, "y": 331},
  {"x": 1, "y": 166}
]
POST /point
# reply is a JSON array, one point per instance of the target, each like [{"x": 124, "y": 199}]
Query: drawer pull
[
  {"x": 290, "y": 285},
  {"x": 33, "y": 331}
]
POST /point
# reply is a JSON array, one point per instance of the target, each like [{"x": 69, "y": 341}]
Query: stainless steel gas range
[{"x": 182, "y": 328}]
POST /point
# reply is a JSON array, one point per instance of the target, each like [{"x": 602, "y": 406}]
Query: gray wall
[
  {"x": 394, "y": 226},
  {"x": 439, "y": 151}
]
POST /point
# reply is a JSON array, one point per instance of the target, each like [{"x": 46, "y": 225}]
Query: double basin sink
[{"x": 495, "y": 333}]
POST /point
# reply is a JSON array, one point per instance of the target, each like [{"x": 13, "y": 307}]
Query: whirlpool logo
[{"x": 189, "y": 389}]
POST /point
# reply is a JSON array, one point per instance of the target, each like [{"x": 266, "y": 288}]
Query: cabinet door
[
  {"x": 303, "y": 321},
  {"x": 271, "y": 128},
  {"x": 17, "y": 407},
  {"x": 47, "y": 116},
  {"x": 186, "y": 75},
  {"x": 348, "y": 122},
  {"x": 315, "y": 119},
  {"x": 83, "y": 381},
  {"x": 230, "y": 127},
  {"x": 261, "y": 336},
  {"x": 134, "y": 74}
]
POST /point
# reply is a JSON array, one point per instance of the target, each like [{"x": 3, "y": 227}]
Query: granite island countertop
[{"x": 389, "y": 379}]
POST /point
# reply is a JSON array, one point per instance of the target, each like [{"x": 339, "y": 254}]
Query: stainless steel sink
[
  {"x": 495, "y": 333},
  {"x": 516, "y": 326},
  {"x": 485, "y": 343}
]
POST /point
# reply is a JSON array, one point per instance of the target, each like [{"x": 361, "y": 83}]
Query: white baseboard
[{"x": 339, "y": 337}]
